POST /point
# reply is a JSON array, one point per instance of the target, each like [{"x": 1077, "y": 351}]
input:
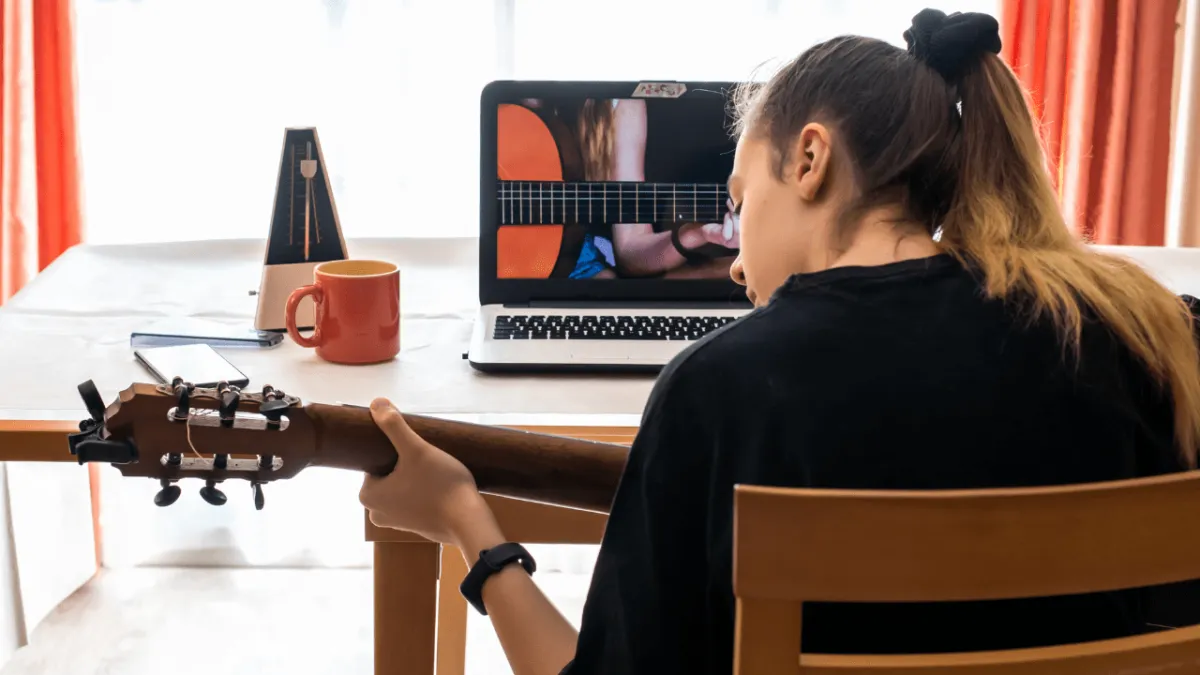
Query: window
[{"x": 183, "y": 102}]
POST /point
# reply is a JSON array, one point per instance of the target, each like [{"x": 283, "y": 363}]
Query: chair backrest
[{"x": 797, "y": 545}]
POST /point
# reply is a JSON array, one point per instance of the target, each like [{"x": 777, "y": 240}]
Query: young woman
[
  {"x": 611, "y": 139},
  {"x": 925, "y": 320}
]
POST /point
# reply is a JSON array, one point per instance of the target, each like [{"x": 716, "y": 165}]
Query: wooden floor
[{"x": 228, "y": 621}]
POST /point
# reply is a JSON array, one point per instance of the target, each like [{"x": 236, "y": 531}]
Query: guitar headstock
[{"x": 176, "y": 431}]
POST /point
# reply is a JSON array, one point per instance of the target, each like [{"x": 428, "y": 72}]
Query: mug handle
[{"x": 289, "y": 315}]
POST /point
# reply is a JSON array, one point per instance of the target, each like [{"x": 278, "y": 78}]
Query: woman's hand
[
  {"x": 428, "y": 493},
  {"x": 726, "y": 233}
]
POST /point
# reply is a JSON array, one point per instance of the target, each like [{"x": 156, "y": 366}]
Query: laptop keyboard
[{"x": 575, "y": 327}]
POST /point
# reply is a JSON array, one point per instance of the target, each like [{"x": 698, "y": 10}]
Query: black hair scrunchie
[{"x": 952, "y": 43}]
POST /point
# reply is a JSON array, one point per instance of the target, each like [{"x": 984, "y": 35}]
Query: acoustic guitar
[
  {"x": 178, "y": 431},
  {"x": 536, "y": 203}
]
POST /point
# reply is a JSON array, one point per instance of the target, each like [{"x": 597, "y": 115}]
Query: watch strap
[
  {"x": 687, "y": 253},
  {"x": 702, "y": 253},
  {"x": 492, "y": 560}
]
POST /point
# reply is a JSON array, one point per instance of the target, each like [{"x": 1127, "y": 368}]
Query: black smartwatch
[
  {"x": 492, "y": 560},
  {"x": 691, "y": 255}
]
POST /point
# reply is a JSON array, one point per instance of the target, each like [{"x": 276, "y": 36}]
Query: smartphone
[
  {"x": 189, "y": 331},
  {"x": 199, "y": 364}
]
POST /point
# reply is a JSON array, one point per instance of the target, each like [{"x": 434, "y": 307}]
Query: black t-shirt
[{"x": 901, "y": 376}]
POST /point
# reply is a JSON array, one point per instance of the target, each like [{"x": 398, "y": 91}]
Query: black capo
[{"x": 87, "y": 445}]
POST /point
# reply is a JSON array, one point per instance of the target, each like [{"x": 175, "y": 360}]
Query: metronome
[{"x": 305, "y": 230}]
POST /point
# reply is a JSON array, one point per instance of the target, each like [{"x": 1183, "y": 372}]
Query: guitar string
[
  {"x": 704, "y": 196},
  {"x": 188, "y": 427}
]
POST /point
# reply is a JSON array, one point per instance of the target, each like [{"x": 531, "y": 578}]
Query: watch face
[
  {"x": 505, "y": 554},
  {"x": 490, "y": 561}
]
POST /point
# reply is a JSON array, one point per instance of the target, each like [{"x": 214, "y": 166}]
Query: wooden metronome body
[{"x": 305, "y": 230}]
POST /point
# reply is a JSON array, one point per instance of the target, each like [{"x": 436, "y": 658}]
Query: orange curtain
[
  {"x": 39, "y": 168},
  {"x": 1183, "y": 205},
  {"x": 1100, "y": 74}
]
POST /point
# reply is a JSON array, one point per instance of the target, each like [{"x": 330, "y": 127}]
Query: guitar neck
[
  {"x": 599, "y": 203},
  {"x": 506, "y": 462}
]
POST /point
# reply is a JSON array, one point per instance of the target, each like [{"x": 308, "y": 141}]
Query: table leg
[
  {"x": 452, "y": 615},
  {"x": 405, "y": 607}
]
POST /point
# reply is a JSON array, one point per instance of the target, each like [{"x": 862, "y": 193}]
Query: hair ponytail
[
  {"x": 1006, "y": 221},
  {"x": 959, "y": 147}
]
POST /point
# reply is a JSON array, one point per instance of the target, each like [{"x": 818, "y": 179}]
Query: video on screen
[{"x": 627, "y": 188}]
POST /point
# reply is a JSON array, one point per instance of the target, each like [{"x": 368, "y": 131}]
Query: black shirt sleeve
[{"x": 646, "y": 606}]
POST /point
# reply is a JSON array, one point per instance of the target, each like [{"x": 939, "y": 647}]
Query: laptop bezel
[{"x": 492, "y": 290}]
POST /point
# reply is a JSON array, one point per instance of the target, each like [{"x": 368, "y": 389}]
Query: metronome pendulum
[{"x": 308, "y": 171}]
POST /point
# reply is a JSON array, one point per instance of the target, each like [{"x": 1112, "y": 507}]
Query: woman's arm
[
  {"x": 536, "y": 637},
  {"x": 649, "y": 597},
  {"x": 638, "y": 249},
  {"x": 716, "y": 268},
  {"x": 629, "y": 141},
  {"x": 432, "y": 494}
]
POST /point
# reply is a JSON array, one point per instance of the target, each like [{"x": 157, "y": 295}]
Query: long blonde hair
[
  {"x": 964, "y": 155},
  {"x": 596, "y": 138}
]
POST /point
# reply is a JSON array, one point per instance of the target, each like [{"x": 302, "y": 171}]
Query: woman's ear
[{"x": 809, "y": 161}]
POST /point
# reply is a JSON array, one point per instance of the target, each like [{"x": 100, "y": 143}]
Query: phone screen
[{"x": 199, "y": 364}]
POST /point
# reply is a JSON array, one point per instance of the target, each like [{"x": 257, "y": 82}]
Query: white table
[{"x": 72, "y": 324}]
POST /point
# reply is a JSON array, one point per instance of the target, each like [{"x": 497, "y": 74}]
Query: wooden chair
[{"x": 792, "y": 546}]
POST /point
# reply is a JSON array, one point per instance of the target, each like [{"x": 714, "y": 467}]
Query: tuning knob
[
  {"x": 168, "y": 495},
  {"x": 183, "y": 403},
  {"x": 259, "y": 500},
  {"x": 273, "y": 411},
  {"x": 229, "y": 405},
  {"x": 212, "y": 495}
]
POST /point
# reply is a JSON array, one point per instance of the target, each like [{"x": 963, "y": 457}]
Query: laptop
[{"x": 604, "y": 238}]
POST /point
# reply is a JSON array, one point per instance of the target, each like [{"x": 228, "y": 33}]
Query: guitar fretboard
[{"x": 599, "y": 203}]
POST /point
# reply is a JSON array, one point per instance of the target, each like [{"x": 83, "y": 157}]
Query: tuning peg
[
  {"x": 183, "y": 405},
  {"x": 273, "y": 411},
  {"x": 212, "y": 495},
  {"x": 259, "y": 500},
  {"x": 230, "y": 396},
  {"x": 229, "y": 404},
  {"x": 168, "y": 495}
]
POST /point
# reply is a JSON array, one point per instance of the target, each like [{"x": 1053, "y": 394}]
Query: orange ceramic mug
[{"x": 357, "y": 311}]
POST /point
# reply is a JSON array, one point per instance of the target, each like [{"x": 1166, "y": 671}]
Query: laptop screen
[{"x": 596, "y": 188}]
